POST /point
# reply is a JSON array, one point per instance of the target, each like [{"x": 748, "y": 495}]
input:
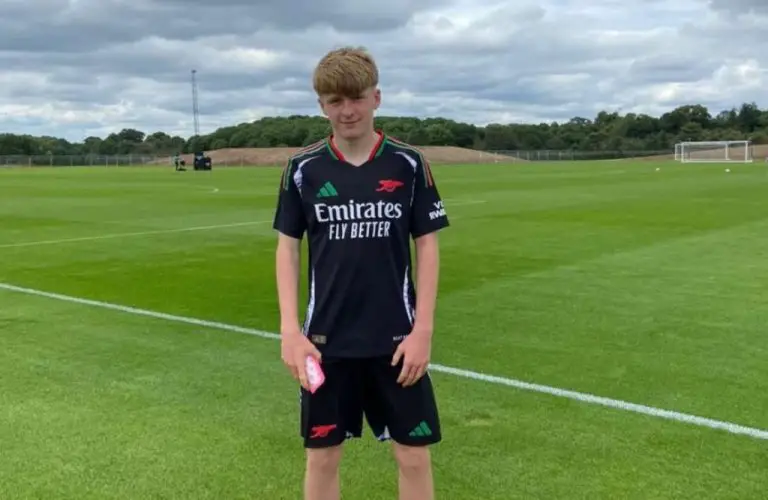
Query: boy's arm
[
  {"x": 427, "y": 275},
  {"x": 290, "y": 223},
  {"x": 287, "y": 262},
  {"x": 427, "y": 218},
  {"x": 295, "y": 347}
]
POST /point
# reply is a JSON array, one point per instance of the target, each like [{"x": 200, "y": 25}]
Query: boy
[{"x": 360, "y": 195}]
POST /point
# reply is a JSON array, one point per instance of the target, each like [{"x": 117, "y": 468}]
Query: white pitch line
[
  {"x": 123, "y": 235},
  {"x": 491, "y": 379}
]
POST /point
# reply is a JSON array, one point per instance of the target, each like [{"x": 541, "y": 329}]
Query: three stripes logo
[
  {"x": 328, "y": 190},
  {"x": 421, "y": 430}
]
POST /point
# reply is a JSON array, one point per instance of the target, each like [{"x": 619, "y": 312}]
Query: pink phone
[{"x": 314, "y": 374}]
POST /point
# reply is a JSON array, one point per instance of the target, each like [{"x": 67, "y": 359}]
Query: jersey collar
[{"x": 375, "y": 151}]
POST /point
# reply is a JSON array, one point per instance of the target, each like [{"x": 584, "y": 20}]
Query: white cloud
[{"x": 78, "y": 67}]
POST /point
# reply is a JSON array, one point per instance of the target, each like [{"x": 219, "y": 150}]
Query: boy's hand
[
  {"x": 295, "y": 347},
  {"x": 415, "y": 352}
]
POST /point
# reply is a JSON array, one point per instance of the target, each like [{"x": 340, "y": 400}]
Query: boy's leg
[
  {"x": 414, "y": 478},
  {"x": 321, "y": 478},
  {"x": 409, "y": 417},
  {"x": 328, "y": 417}
]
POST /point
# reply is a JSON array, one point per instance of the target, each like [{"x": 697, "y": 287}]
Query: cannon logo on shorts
[{"x": 356, "y": 220}]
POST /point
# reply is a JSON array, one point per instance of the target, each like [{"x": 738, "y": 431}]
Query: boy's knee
[
  {"x": 324, "y": 460},
  {"x": 413, "y": 460}
]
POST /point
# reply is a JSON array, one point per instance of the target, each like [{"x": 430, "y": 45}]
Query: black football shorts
[{"x": 367, "y": 387}]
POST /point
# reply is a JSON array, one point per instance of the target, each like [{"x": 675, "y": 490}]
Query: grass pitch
[{"x": 608, "y": 278}]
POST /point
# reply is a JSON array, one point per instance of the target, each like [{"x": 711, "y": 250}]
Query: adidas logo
[
  {"x": 327, "y": 191},
  {"x": 421, "y": 430}
]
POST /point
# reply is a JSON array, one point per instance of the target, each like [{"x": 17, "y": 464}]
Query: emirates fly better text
[{"x": 358, "y": 220}]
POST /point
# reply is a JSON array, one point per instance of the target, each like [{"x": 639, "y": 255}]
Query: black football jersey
[{"x": 358, "y": 221}]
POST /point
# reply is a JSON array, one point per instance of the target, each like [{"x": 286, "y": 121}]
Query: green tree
[{"x": 607, "y": 131}]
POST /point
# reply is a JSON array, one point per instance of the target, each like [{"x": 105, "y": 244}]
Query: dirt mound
[
  {"x": 451, "y": 154},
  {"x": 759, "y": 152},
  {"x": 279, "y": 156}
]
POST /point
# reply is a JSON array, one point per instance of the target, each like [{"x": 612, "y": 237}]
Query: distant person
[
  {"x": 360, "y": 195},
  {"x": 179, "y": 163}
]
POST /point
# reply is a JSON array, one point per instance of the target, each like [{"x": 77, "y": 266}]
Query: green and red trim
[{"x": 375, "y": 151}]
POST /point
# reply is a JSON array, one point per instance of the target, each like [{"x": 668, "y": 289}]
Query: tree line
[{"x": 608, "y": 131}]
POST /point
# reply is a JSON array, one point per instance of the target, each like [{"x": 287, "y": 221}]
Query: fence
[
  {"x": 570, "y": 155},
  {"x": 256, "y": 157},
  {"x": 82, "y": 160}
]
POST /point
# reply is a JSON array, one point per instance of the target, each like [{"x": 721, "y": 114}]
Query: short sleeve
[
  {"x": 427, "y": 211},
  {"x": 289, "y": 215}
]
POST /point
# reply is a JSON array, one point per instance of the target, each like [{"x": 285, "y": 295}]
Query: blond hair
[{"x": 348, "y": 72}]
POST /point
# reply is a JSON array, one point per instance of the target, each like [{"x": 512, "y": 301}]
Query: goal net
[{"x": 714, "y": 152}]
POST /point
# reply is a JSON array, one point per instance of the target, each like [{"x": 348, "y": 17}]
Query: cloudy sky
[{"x": 73, "y": 68}]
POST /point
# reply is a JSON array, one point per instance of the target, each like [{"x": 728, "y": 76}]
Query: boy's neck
[{"x": 357, "y": 151}]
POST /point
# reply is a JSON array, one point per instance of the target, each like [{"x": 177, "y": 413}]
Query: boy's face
[{"x": 351, "y": 117}]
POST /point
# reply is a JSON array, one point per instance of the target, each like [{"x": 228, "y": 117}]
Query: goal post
[{"x": 714, "y": 152}]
